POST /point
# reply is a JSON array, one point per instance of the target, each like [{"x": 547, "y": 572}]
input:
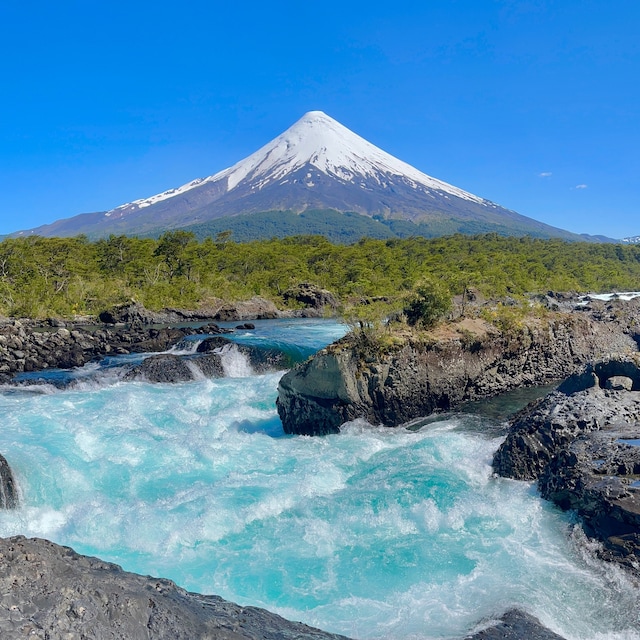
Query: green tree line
[{"x": 41, "y": 277}]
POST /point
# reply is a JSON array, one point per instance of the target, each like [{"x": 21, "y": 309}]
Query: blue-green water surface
[{"x": 373, "y": 532}]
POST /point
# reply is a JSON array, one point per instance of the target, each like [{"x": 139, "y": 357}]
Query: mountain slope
[{"x": 317, "y": 164}]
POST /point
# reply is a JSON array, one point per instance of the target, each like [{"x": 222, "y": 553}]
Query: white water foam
[
  {"x": 235, "y": 364},
  {"x": 196, "y": 372}
]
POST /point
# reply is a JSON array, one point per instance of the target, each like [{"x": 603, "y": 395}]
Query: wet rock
[
  {"x": 597, "y": 475},
  {"x": 162, "y": 368},
  {"x": 582, "y": 444},
  {"x": 210, "y": 365},
  {"x": 210, "y": 344},
  {"x": 579, "y": 406},
  {"x": 8, "y": 488},
  {"x": 49, "y": 591},
  {"x": 515, "y": 625}
]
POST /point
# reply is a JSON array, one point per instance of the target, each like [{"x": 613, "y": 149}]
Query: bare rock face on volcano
[{"x": 316, "y": 164}]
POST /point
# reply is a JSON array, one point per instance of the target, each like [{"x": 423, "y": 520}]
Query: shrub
[{"x": 428, "y": 304}]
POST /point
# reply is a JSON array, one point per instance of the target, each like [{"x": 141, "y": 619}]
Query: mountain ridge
[{"x": 316, "y": 164}]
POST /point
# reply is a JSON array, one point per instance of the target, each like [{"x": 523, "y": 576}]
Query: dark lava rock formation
[
  {"x": 26, "y": 346},
  {"x": 8, "y": 489},
  {"x": 49, "y": 591},
  {"x": 464, "y": 360},
  {"x": 209, "y": 362},
  {"x": 582, "y": 444}
]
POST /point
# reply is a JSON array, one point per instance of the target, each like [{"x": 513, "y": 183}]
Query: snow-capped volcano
[
  {"x": 316, "y": 144},
  {"x": 316, "y": 164}
]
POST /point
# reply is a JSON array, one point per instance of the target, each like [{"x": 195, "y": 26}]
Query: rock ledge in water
[{"x": 459, "y": 361}]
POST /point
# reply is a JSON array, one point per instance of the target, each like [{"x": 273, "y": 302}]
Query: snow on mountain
[
  {"x": 315, "y": 165},
  {"x": 323, "y": 143},
  {"x": 631, "y": 240}
]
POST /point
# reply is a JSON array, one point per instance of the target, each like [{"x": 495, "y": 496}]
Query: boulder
[
  {"x": 619, "y": 383},
  {"x": 596, "y": 475},
  {"x": 254, "y": 309},
  {"x": 210, "y": 344},
  {"x": 580, "y": 405},
  {"x": 133, "y": 313},
  {"x": 162, "y": 368},
  {"x": 8, "y": 488},
  {"x": 310, "y": 295}
]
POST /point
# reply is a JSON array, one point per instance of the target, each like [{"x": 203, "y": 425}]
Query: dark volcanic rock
[
  {"x": 210, "y": 344},
  {"x": 8, "y": 489},
  {"x": 515, "y": 625},
  {"x": 134, "y": 313},
  {"x": 598, "y": 475},
  {"x": 467, "y": 360},
  {"x": 164, "y": 367},
  {"x": 49, "y": 591},
  {"x": 210, "y": 365},
  {"x": 25, "y": 346},
  {"x": 582, "y": 444},
  {"x": 579, "y": 406}
]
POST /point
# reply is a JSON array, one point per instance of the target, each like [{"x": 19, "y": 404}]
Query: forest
[{"x": 63, "y": 277}]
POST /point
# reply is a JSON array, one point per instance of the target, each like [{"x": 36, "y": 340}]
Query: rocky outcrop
[
  {"x": 463, "y": 360},
  {"x": 582, "y": 444},
  {"x": 164, "y": 367},
  {"x": 310, "y": 295},
  {"x": 255, "y": 309},
  {"x": 216, "y": 358},
  {"x": 598, "y": 476},
  {"x": 8, "y": 489},
  {"x": 582, "y": 404},
  {"x": 135, "y": 313},
  {"x": 49, "y": 591}
]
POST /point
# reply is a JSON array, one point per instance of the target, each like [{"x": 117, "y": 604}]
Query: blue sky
[{"x": 533, "y": 104}]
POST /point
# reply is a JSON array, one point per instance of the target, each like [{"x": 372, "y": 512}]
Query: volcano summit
[{"x": 316, "y": 169}]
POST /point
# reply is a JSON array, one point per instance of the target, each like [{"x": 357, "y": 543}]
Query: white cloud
[
  {"x": 545, "y": 174},
  {"x": 580, "y": 186}
]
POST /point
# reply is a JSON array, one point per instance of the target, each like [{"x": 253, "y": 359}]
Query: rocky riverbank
[
  {"x": 581, "y": 444},
  {"x": 26, "y": 346},
  {"x": 467, "y": 359}
]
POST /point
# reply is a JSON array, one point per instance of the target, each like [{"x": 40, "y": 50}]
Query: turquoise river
[{"x": 373, "y": 533}]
